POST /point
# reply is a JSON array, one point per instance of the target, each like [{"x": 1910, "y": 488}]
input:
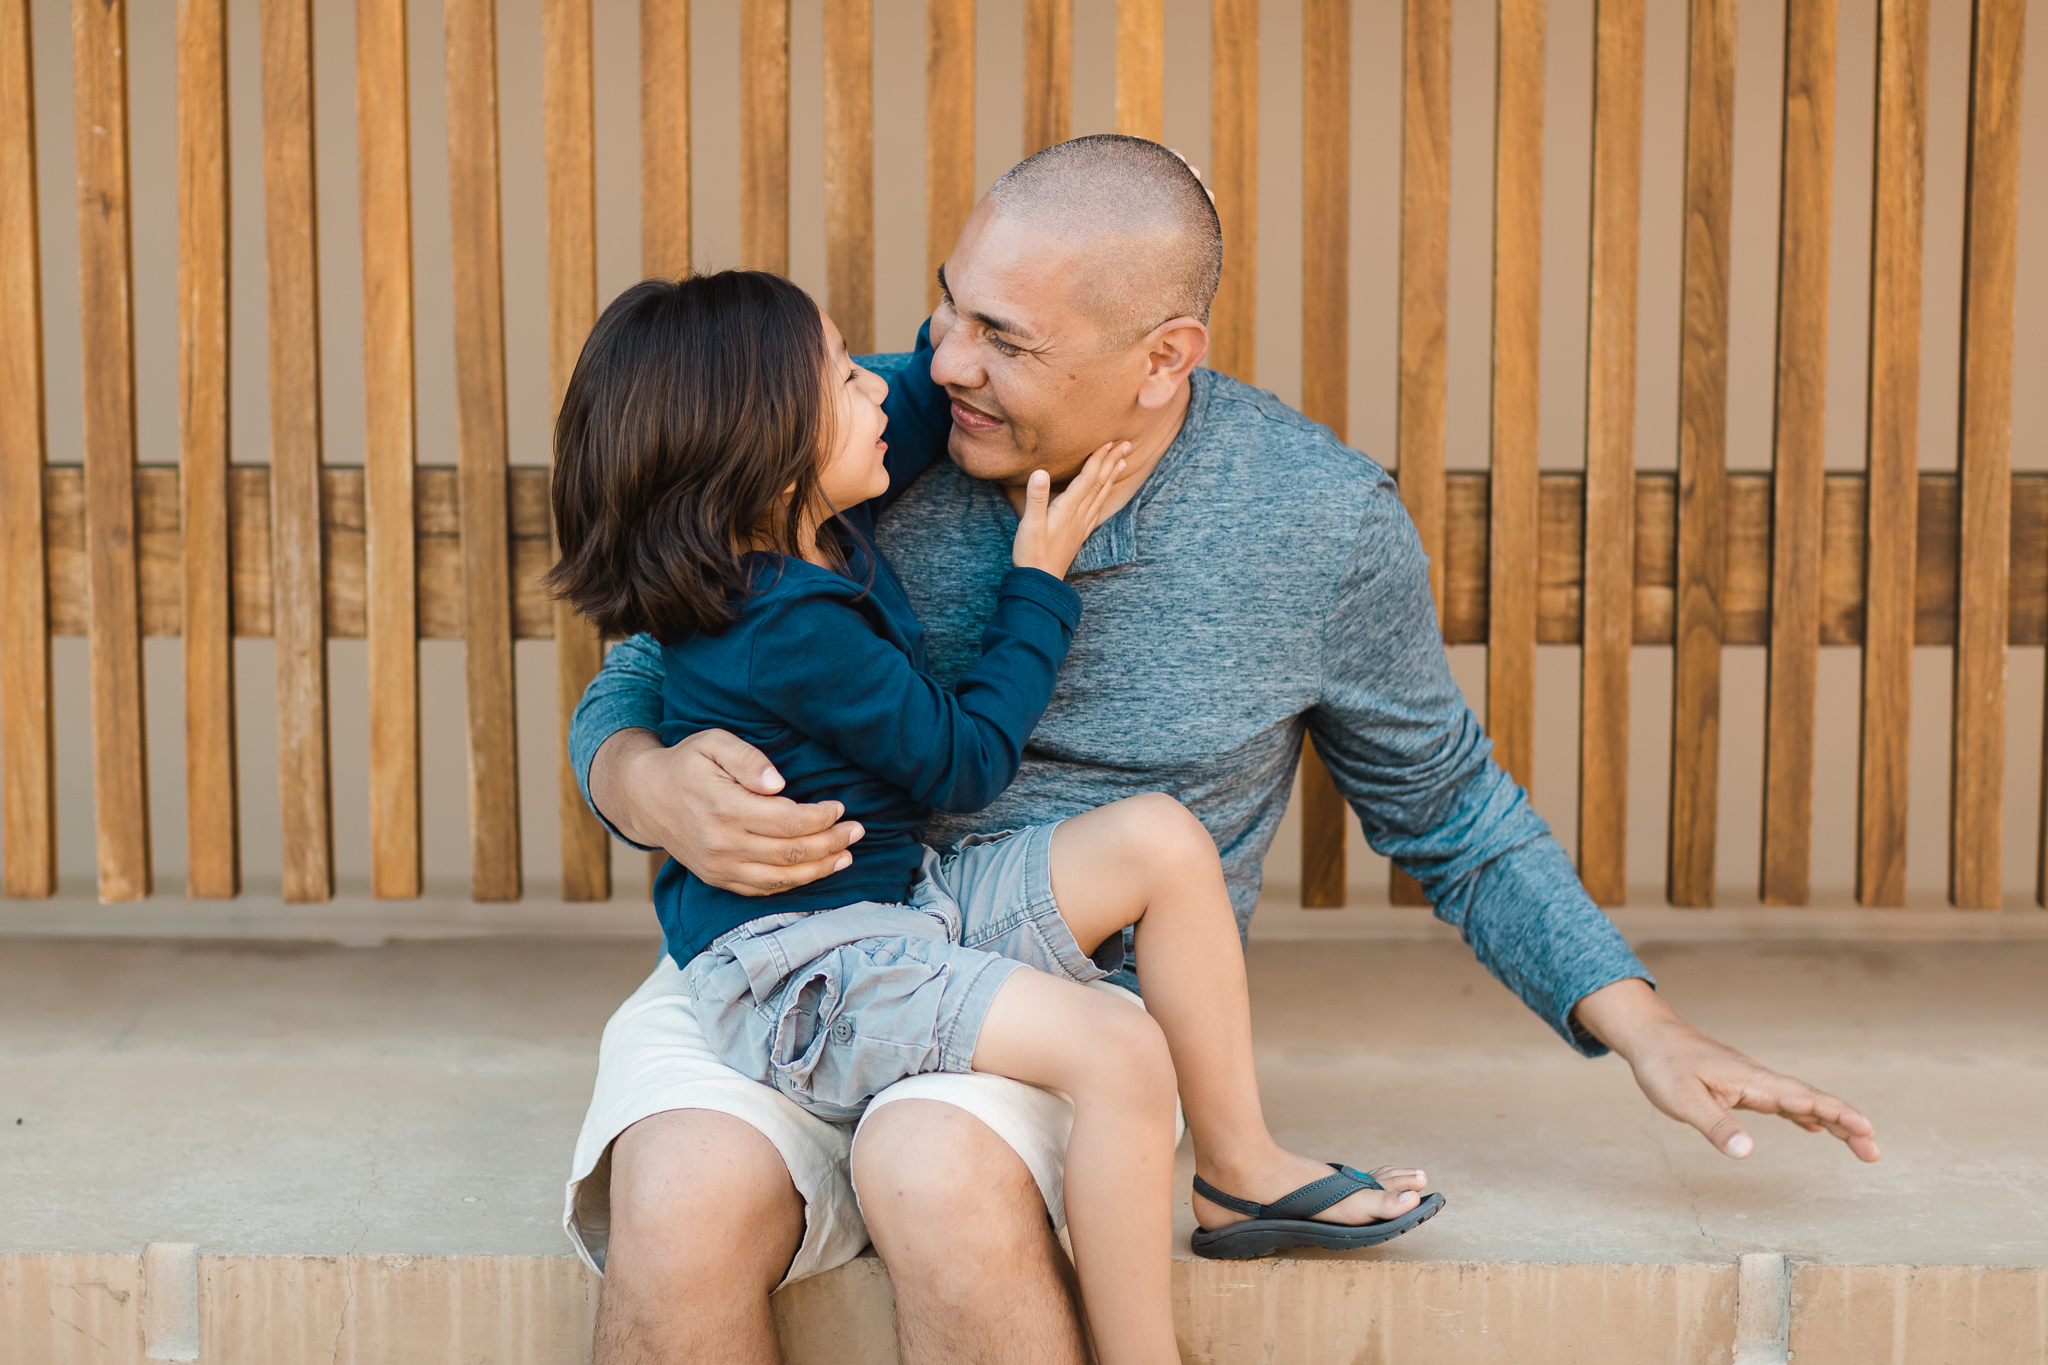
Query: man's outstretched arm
[
  {"x": 1405, "y": 749},
  {"x": 709, "y": 800}
]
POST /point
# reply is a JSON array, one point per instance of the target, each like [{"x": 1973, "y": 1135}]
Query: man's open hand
[
  {"x": 1701, "y": 1082},
  {"x": 711, "y": 802}
]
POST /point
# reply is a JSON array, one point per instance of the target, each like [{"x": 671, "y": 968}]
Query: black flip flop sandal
[{"x": 1288, "y": 1221}]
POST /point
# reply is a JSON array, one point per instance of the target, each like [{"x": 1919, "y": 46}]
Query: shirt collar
[{"x": 1115, "y": 542}]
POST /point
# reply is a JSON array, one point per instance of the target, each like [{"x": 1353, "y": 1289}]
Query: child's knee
[
  {"x": 1135, "y": 1054},
  {"x": 1166, "y": 832}
]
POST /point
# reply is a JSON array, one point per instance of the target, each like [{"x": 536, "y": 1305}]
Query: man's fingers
[
  {"x": 763, "y": 879},
  {"x": 787, "y": 849},
  {"x": 744, "y": 763},
  {"x": 1719, "y": 1127},
  {"x": 778, "y": 818},
  {"x": 1814, "y": 1110}
]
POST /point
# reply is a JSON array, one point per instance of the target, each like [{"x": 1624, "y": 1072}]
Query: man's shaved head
[{"x": 1153, "y": 245}]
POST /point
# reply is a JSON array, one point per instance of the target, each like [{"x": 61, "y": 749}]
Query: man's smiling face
[{"x": 1032, "y": 382}]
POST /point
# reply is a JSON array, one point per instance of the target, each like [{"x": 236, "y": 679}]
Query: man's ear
[{"x": 1171, "y": 353}]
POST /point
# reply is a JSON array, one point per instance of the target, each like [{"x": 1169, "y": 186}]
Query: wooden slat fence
[{"x": 1607, "y": 557}]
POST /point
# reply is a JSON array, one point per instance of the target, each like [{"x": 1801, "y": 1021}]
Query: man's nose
[{"x": 953, "y": 363}]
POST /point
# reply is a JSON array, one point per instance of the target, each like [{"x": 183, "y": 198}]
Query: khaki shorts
[{"x": 654, "y": 1058}]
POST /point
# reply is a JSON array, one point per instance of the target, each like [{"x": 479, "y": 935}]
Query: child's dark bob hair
[{"x": 695, "y": 404}]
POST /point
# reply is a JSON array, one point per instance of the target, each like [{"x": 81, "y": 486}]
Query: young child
[{"x": 719, "y": 466}]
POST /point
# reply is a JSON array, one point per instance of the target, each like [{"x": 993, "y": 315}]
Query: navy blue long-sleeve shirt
[{"x": 826, "y": 674}]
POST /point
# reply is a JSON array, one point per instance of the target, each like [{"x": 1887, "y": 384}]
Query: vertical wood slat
[
  {"x": 850, "y": 170},
  {"x": 665, "y": 161},
  {"x": 1517, "y": 335},
  {"x": 1141, "y": 68},
  {"x": 1425, "y": 298},
  {"x": 99, "y": 40},
  {"x": 28, "y": 781},
  {"x": 1325, "y": 355},
  {"x": 764, "y": 135},
  {"x": 664, "y": 138},
  {"x": 948, "y": 132},
  {"x": 1984, "y": 457},
  {"x": 1609, "y": 601},
  {"x": 569, "y": 140},
  {"x": 1806, "y": 182},
  {"x": 213, "y": 838},
  {"x": 1892, "y": 450},
  {"x": 1234, "y": 176},
  {"x": 298, "y": 571},
  {"x": 479, "y": 278},
  {"x": 390, "y": 431},
  {"x": 1702, "y": 454},
  {"x": 1048, "y": 73}
]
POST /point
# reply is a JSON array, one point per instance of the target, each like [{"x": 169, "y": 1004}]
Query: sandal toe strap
[{"x": 1305, "y": 1202}]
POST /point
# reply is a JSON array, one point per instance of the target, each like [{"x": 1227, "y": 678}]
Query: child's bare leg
[
  {"x": 1112, "y": 1062},
  {"x": 1147, "y": 860}
]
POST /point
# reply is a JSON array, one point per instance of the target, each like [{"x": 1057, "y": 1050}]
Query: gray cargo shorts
[{"x": 831, "y": 1007}]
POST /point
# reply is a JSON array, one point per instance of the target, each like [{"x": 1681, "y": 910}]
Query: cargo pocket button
[{"x": 842, "y": 1031}]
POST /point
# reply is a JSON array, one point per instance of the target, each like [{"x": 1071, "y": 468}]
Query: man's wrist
[
  {"x": 611, "y": 779},
  {"x": 1625, "y": 1014}
]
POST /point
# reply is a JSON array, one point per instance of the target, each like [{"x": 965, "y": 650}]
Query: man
[{"x": 1257, "y": 581}]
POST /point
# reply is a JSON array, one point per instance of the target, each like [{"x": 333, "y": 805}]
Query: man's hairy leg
[
  {"x": 979, "y": 1276},
  {"x": 675, "y": 1288}
]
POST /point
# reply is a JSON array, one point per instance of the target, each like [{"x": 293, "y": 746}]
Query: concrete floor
[{"x": 420, "y": 1098}]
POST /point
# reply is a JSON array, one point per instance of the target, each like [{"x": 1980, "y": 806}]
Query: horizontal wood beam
[
  {"x": 1746, "y": 597},
  {"x": 437, "y": 519},
  {"x": 1560, "y": 541}
]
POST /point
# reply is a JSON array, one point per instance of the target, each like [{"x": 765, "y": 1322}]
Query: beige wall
[{"x": 900, "y": 294}]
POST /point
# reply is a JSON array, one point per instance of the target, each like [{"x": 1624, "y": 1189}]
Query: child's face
[{"x": 853, "y": 472}]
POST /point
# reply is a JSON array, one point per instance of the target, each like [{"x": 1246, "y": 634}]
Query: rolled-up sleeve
[
  {"x": 625, "y": 695},
  {"x": 1411, "y": 758}
]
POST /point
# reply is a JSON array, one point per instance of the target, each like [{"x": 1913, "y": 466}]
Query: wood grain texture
[
  {"x": 1141, "y": 68},
  {"x": 298, "y": 572},
  {"x": 1234, "y": 177},
  {"x": 1560, "y": 581},
  {"x": 1609, "y": 594},
  {"x": 1798, "y": 453},
  {"x": 1322, "y": 835},
  {"x": 948, "y": 133},
  {"x": 390, "y": 431},
  {"x": 213, "y": 829},
  {"x": 479, "y": 278},
  {"x": 1984, "y": 459},
  {"x": 1703, "y": 519},
  {"x": 28, "y": 771},
  {"x": 1517, "y": 342},
  {"x": 1425, "y": 296},
  {"x": 850, "y": 170},
  {"x": 764, "y": 135},
  {"x": 1892, "y": 450},
  {"x": 1325, "y": 355},
  {"x": 107, "y": 331},
  {"x": 664, "y": 138},
  {"x": 1048, "y": 73},
  {"x": 569, "y": 142}
]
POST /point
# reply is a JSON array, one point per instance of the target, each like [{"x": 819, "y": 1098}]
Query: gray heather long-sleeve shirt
[{"x": 1265, "y": 582}]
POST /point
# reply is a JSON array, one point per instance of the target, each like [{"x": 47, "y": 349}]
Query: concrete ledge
[
  {"x": 224, "y": 1150},
  {"x": 538, "y": 1310}
]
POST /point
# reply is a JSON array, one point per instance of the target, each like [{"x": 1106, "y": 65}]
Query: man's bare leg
[
  {"x": 953, "y": 1211},
  {"x": 671, "y": 1293}
]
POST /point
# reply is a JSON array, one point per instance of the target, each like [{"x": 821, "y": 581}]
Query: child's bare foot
[{"x": 1281, "y": 1172}]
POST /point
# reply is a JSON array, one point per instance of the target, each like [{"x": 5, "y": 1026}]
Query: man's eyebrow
[{"x": 988, "y": 320}]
